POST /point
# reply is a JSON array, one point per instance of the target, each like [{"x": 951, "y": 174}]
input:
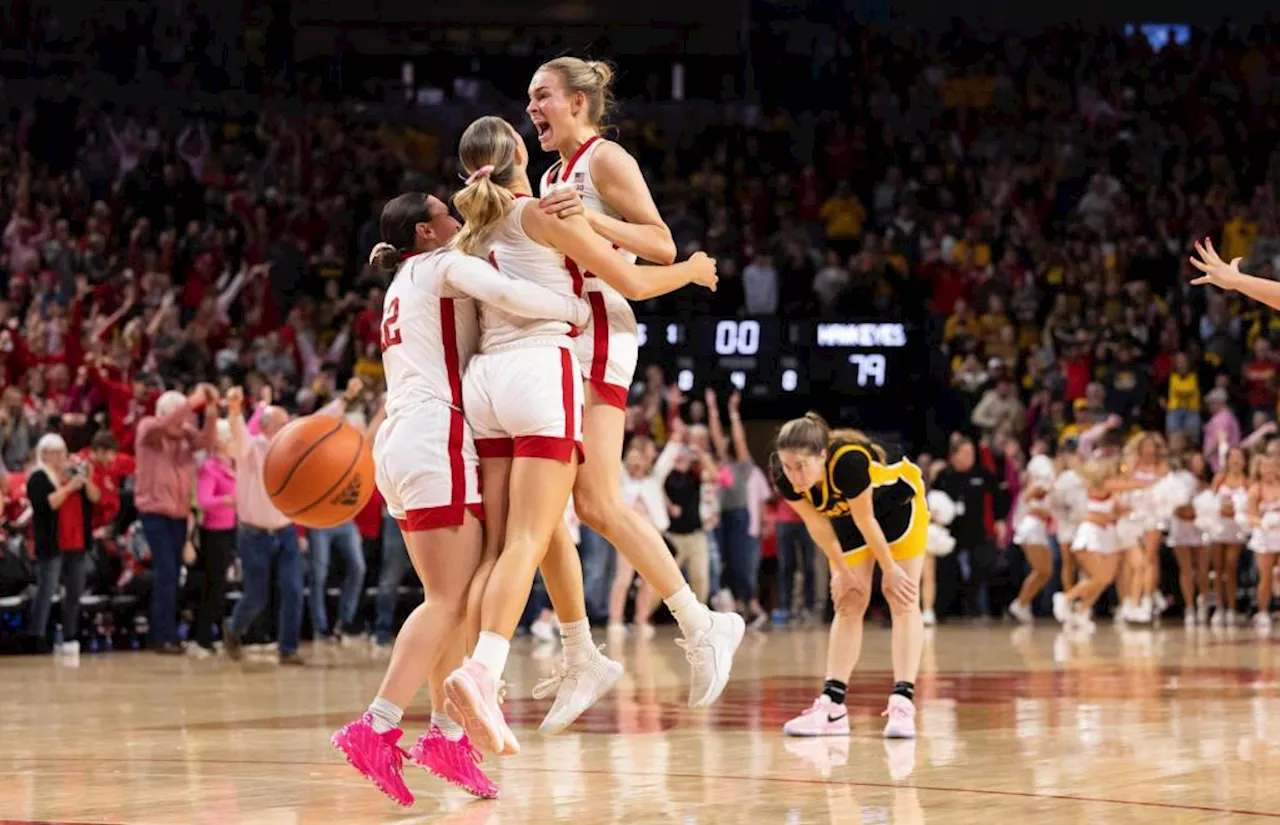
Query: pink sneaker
[
  {"x": 377, "y": 756},
  {"x": 456, "y": 762},
  {"x": 472, "y": 698},
  {"x": 823, "y": 718},
  {"x": 902, "y": 718}
]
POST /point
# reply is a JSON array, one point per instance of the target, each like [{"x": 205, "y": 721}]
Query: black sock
[
  {"x": 836, "y": 690},
  {"x": 905, "y": 689}
]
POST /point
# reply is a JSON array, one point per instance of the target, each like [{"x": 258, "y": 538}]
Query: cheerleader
[
  {"x": 1185, "y": 535},
  {"x": 1227, "y": 535},
  {"x": 1139, "y": 531},
  {"x": 1068, "y": 503},
  {"x": 942, "y": 511},
  {"x": 1095, "y": 542},
  {"x": 1264, "y": 515},
  {"x": 1031, "y": 533}
]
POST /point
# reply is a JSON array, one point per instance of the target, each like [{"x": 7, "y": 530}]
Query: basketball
[{"x": 319, "y": 471}]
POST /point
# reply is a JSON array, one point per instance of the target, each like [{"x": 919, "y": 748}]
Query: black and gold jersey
[{"x": 897, "y": 489}]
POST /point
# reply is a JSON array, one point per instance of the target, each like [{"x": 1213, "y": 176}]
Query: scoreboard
[{"x": 771, "y": 359}]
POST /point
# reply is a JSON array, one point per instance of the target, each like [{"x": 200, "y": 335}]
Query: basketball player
[
  {"x": 427, "y": 472},
  {"x": 523, "y": 397},
  {"x": 597, "y": 181},
  {"x": 858, "y": 509}
]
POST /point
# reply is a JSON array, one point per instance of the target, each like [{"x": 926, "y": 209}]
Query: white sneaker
[
  {"x": 902, "y": 718},
  {"x": 1061, "y": 607},
  {"x": 1021, "y": 612},
  {"x": 543, "y": 631},
  {"x": 576, "y": 687},
  {"x": 71, "y": 648},
  {"x": 1160, "y": 603},
  {"x": 929, "y": 618},
  {"x": 1219, "y": 618},
  {"x": 1189, "y": 619},
  {"x": 1232, "y": 619},
  {"x": 1262, "y": 621},
  {"x": 710, "y": 653}
]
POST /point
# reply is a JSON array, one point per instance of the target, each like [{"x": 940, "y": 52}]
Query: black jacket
[{"x": 44, "y": 519}]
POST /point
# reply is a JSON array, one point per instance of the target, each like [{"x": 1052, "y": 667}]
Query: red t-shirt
[
  {"x": 784, "y": 513},
  {"x": 1259, "y": 381},
  {"x": 71, "y": 525},
  {"x": 108, "y": 478}
]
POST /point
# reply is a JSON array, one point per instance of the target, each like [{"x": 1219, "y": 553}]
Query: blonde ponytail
[{"x": 488, "y": 154}]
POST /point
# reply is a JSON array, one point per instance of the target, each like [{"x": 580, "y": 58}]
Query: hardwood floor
[{"x": 1169, "y": 725}]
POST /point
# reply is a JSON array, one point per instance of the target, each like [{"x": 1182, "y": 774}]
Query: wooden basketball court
[{"x": 1021, "y": 726}]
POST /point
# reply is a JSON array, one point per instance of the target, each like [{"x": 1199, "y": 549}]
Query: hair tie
[
  {"x": 483, "y": 172},
  {"x": 379, "y": 248}
]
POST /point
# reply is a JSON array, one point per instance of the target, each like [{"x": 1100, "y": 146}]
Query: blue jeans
[
  {"x": 597, "y": 571},
  {"x": 166, "y": 537},
  {"x": 395, "y": 563},
  {"x": 346, "y": 539},
  {"x": 1186, "y": 421},
  {"x": 794, "y": 544},
  {"x": 258, "y": 550},
  {"x": 740, "y": 552}
]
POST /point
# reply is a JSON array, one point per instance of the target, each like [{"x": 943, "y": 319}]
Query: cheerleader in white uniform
[
  {"x": 1139, "y": 531},
  {"x": 1227, "y": 535},
  {"x": 1068, "y": 503},
  {"x": 1264, "y": 515},
  {"x": 1031, "y": 533},
  {"x": 1179, "y": 489},
  {"x": 1095, "y": 542}
]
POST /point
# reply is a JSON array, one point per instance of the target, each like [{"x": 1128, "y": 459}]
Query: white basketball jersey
[
  {"x": 516, "y": 255},
  {"x": 427, "y": 336},
  {"x": 576, "y": 172}
]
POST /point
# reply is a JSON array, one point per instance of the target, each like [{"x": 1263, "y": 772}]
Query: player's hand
[
  {"x": 844, "y": 585},
  {"x": 1216, "y": 271},
  {"x": 563, "y": 202},
  {"x": 354, "y": 387},
  {"x": 189, "y": 554},
  {"x": 899, "y": 587},
  {"x": 735, "y": 402},
  {"x": 702, "y": 270},
  {"x": 267, "y": 394},
  {"x": 235, "y": 401}
]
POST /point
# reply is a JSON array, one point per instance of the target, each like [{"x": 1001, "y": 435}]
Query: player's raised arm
[
  {"x": 1223, "y": 275},
  {"x": 523, "y": 298},
  {"x": 574, "y": 237}
]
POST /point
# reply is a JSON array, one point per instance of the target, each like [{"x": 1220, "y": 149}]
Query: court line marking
[{"x": 1168, "y": 806}]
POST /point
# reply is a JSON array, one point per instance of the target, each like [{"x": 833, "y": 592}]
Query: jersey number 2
[{"x": 391, "y": 332}]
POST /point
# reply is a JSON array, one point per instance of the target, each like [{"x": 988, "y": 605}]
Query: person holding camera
[{"x": 62, "y": 494}]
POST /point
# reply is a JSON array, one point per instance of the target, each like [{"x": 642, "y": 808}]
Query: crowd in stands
[{"x": 1033, "y": 199}]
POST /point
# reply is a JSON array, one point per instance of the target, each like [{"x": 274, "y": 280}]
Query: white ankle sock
[
  {"x": 691, "y": 614},
  {"x": 386, "y": 715},
  {"x": 491, "y": 651},
  {"x": 576, "y": 637},
  {"x": 451, "y": 729}
]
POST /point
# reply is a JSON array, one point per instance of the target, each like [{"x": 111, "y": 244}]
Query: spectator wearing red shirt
[
  {"x": 109, "y": 468},
  {"x": 1259, "y": 380}
]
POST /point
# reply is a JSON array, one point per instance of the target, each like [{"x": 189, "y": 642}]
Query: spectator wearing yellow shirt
[
  {"x": 1183, "y": 398},
  {"x": 962, "y": 323},
  {"x": 971, "y": 251},
  {"x": 842, "y": 217},
  {"x": 992, "y": 322},
  {"x": 1238, "y": 235}
]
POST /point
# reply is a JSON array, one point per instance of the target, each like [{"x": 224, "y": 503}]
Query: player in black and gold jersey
[{"x": 857, "y": 507}]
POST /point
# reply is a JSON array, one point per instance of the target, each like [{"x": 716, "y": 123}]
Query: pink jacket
[{"x": 215, "y": 495}]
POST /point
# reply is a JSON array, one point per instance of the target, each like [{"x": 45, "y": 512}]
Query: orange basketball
[{"x": 319, "y": 471}]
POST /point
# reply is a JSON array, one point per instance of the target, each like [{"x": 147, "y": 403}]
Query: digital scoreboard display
[{"x": 770, "y": 358}]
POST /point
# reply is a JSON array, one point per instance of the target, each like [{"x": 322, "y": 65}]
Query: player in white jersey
[
  {"x": 597, "y": 180},
  {"x": 523, "y": 398},
  {"x": 428, "y": 474}
]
